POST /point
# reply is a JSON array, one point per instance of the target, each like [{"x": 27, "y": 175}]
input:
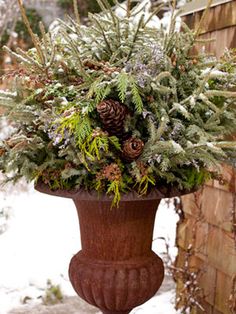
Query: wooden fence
[{"x": 205, "y": 268}]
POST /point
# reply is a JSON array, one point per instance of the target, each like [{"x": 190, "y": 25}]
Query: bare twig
[
  {"x": 32, "y": 35},
  {"x": 76, "y": 11},
  {"x": 199, "y": 28},
  {"x": 128, "y": 8}
]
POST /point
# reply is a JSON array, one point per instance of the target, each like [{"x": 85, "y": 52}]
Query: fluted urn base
[{"x": 116, "y": 287}]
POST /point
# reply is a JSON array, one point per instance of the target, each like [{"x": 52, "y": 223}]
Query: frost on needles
[{"x": 118, "y": 106}]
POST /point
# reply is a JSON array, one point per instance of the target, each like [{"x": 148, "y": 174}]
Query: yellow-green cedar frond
[
  {"x": 97, "y": 145},
  {"x": 93, "y": 147},
  {"x": 114, "y": 141},
  {"x": 83, "y": 130},
  {"x": 75, "y": 124},
  {"x": 114, "y": 188},
  {"x": 145, "y": 183},
  {"x": 69, "y": 122},
  {"x": 98, "y": 185}
]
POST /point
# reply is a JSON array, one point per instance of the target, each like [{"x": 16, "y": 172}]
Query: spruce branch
[
  {"x": 154, "y": 13},
  {"x": 225, "y": 144},
  {"x": 8, "y": 95},
  {"x": 115, "y": 20},
  {"x": 103, "y": 34},
  {"x": 139, "y": 8},
  {"x": 177, "y": 106},
  {"x": 17, "y": 56},
  {"x": 210, "y": 104},
  {"x": 101, "y": 5},
  {"x": 117, "y": 3},
  {"x": 76, "y": 29},
  {"x": 161, "y": 129},
  {"x": 219, "y": 93},
  {"x": 76, "y": 53},
  {"x": 139, "y": 26},
  {"x": 66, "y": 25},
  {"x": 173, "y": 17},
  {"x": 44, "y": 36},
  {"x": 30, "y": 60}
]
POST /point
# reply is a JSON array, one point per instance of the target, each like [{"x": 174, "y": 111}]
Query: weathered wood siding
[
  {"x": 207, "y": 231},
  {"x": 220, "y": 25}
]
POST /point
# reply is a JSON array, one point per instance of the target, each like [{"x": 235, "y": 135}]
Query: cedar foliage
[{"x": 181, "y": 107}]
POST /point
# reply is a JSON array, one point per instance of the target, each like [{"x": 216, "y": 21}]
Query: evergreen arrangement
[{"x": 118, "y": 106}]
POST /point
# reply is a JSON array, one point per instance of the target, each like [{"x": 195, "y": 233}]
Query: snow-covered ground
[{"x": 43, "y": 235}]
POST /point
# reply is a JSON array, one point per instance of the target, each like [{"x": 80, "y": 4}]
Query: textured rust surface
[
  {"x": 116, "y": 286},
  {"x": 116, "y": 270}
]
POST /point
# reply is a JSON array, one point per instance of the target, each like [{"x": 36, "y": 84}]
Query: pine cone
[
  {"x": 112, "y": 114},
  {"x": 132, "y": 149},
  {"x": 111, "y": 172}
]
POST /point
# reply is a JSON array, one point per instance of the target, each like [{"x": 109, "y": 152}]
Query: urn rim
[{"x": 93, "y": 195}]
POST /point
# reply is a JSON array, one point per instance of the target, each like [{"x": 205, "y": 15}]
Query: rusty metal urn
[{"x": 116, "y": 270}]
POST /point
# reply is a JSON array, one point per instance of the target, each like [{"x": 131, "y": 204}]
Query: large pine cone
[
  {"x": 112, "y": 114},
  {"x": 132, "y": 149}
]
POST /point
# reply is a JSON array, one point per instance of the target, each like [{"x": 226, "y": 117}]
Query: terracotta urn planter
[{"x": 116, "y": 270}]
